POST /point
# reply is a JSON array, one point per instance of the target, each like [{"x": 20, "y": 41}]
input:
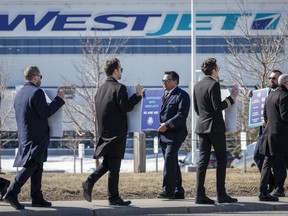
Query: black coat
[
  {"x": 274, "y": 136},
  {"x": 208, "y": 106},
  {"x": 112, "y": 104},
  {"x": 174, "y": 112},
  {"x": 32, "y": 113}
]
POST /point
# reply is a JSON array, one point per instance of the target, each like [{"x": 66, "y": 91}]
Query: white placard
[
  {"x": 56, "y": 120},
  {"x": 134, "y": 116},
  {"x": 229, "y": 114}
]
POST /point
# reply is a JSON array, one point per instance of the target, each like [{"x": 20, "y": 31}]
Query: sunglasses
[
  {"x": 273, "y": 78},
  {"x": 166, "y": 80},
  {"x": 39, "y": 76}
]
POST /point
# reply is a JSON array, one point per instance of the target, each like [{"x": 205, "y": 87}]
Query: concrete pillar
[{"x": 139, "y": 152}]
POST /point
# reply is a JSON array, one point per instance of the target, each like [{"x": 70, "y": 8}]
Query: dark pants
[
  {"x": 206, "y": 141},
  {"x": 265, "y": 173},
  {"x": 172, "y": 178},
  {"x": 34, "y": 171},
  {"x": 111, "y": 164},
  {"x": 278, "y": 172}
]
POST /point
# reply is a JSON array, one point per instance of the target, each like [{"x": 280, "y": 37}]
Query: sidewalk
[{"x": 143, "y": 207}]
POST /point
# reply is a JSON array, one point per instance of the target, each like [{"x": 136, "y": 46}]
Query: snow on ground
[{"x": 66, "y": 164}]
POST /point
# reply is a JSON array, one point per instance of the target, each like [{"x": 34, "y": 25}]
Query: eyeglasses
[
  {"x": 166, "y": 80},
  {"x": 273, "y": 78},
  {"x": 38, "y": 75}
]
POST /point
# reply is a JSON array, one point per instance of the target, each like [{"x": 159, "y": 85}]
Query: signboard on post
[
  {"x": 256, "y": 107},
  {"x": 243, "y": 139}
]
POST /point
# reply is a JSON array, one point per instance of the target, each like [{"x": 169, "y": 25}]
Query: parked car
[
  {"x": 239, "y": 162},
  {"x": 212, "y": 161}
]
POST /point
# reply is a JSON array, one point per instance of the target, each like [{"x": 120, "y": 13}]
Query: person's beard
[{"x": 273, "y": 86}]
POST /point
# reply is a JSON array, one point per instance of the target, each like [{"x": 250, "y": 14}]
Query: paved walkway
[{"x": 143, "y": 207}]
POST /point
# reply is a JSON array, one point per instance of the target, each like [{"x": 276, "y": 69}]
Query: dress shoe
[
  {"x": 204, "y": 200},
  {"x": 3, "y": 189},
  {"x": 226, "y": 199},
  {"x": 179, "y": 196},
  {"x": 278, "y": 194},
  {"x": 87, "y": 191},
  {"x": 13, "y": 201},
  {"x": 268, "y": 197},
  {"x": 41, "y": 203},
  {"x": 119, "y": 202},
  {"x": 164, "y": 195}
]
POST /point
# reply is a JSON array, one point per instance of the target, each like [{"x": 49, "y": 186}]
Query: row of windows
[
  {"x": 179, "y": 45},
  {"x": 105, "y": 41},
  {"x": 79, "y": 50}
]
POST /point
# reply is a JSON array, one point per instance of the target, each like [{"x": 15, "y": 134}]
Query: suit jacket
[
  {"x": 32, "y": 113},
  {"x": 112, "y": 104},
  {"x": 208, "y": 106},
  {"x": 274, "y": 140},
  {"x": 174, "y": 112}
]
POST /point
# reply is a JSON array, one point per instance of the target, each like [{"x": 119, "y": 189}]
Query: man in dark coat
[
  {"x": 211, "y": 130},
  {"x": 112, "y": 104},
  {"x": 274, "y": 142},
  {"x": 278, "y": 173},
  {"x": 32, "y": 113},
  {"x": 172, "y": 133}
]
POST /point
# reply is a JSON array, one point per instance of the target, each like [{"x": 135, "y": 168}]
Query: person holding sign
[
  {"x": 172, "y": 133},
  {"x": 112, "y": 104},
  {"x": 274, "y": 142},
  {"x": 278, "y": 172},
  {"x": 211, "y": 129},
  {"x": 32, "y": 113}
]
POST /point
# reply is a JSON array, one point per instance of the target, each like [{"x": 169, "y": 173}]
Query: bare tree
[
  {"x": 80, "y": 109},
  {"x": 6, "y": 111},
  {"x": 253, "y": 53}
]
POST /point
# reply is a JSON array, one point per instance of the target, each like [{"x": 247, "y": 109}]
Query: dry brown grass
[{"x": 63, "y": 186}]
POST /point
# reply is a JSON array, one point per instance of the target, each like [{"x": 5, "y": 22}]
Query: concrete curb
[{"x": 144, "y": 207}]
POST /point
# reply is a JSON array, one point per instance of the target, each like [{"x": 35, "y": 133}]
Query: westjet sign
[{"x": 126, "y": 24}]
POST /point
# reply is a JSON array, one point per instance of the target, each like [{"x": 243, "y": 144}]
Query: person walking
[
  {"x": 278, "y": 172},
  {"x": 112, "y": 104},
  {"x": 210, "y": 128},
  {"x": 172, "y": 133},
  {"x": 32, "y": 113},
  {"x": 274, "y": 143}
]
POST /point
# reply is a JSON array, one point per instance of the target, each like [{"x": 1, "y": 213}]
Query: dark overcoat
[
  {"x": 174, "y": 112},
  {"x": 274, "y": 139},
  {"x": 32, "y": 113},
  {"x": 209, "y": 106},
  {"x": 112, "y": 104}
]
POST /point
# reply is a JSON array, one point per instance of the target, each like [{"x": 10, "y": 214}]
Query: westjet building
[{"x": 52, "y": 34}]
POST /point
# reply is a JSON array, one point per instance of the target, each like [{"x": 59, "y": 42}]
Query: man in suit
[
  {"x": 172, "y": 133},
  {"x": 274, "y": 142},
  {"x": 32, "y": 113},
  {"x": 211, "y": 130},
  {"x": 112, "y": 104},
  {"x": 278, "y": 173}
]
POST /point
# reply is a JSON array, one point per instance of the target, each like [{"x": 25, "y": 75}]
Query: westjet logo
[{"x": 57, "y": 21}]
